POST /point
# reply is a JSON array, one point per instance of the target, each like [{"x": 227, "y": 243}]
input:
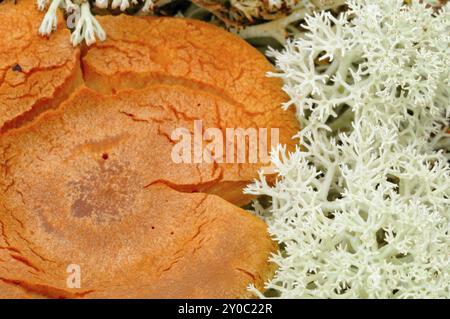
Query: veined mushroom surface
[
  {"x": 224, "y": 149},
  {"x": 92, "y": 179}
]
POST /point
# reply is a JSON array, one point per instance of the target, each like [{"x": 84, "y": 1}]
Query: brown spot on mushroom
[{"x": 99, "y": 213}]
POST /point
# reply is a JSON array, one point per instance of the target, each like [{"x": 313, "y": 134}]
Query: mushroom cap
[
  {"x": 143, "y": 51},
  {"x": 91, "y": 181},
  {"x": 76, "y": 194},
  {"x": 35, "y": 73}
]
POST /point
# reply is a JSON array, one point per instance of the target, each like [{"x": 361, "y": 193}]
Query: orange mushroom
[
  {"x": 142, "y": 51},
  {"x": 91, "y": 181},
  {"x": 36, "y": 73},
  {"x": 76, "y": 194}
]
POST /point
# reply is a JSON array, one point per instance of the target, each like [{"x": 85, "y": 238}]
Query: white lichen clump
[
  {"x": 86, "y": 26},
  {"x": 362, "y": 208},
  {"x": 249, "y": 19}
]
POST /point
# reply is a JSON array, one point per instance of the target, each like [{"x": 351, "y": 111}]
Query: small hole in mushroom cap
[
  {"x": 17, "y": 68},
  {"x": 172, "y": 233},
  {"x": 105, "y": 156},
  {"x": 153, "y": 227}
]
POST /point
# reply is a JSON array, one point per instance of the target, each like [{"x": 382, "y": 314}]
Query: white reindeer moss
[{"x": 362, "y": 209}]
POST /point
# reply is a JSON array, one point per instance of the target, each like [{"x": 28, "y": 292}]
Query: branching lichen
[
  {"x": 87, "y": 27},
  {"x": 250, "y": 19},
  {"x": 362, "y": 209}
]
